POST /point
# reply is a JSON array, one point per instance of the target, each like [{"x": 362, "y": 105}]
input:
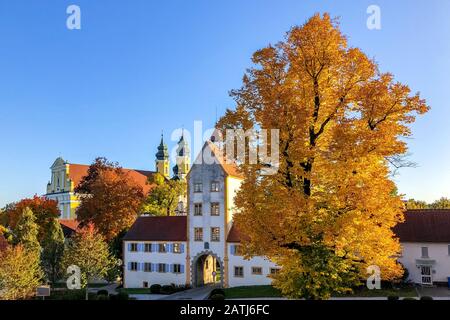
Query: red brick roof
[
  {"x": 150, "y": 228},
  {"x": 78, "y": 171},
  {"x": 425, "y": 225}
]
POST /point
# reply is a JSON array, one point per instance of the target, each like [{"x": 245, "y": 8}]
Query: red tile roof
[
  {"x": 425, "y": 225},
  {"x": 78, "y": 171},
  {"x": 150, "y": 228},
  {"x": 235, "y": 235},
  {"x": 69, "y": 226},
  {"x": 421, "y": 225}
]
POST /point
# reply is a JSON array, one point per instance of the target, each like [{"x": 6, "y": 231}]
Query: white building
[
  {"x": 425, "y": 240},
  {"x": 200, "y": 248}
]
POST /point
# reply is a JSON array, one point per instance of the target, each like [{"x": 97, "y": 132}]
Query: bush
[
  {"x": 218, "y": 291},
  {"x": 217, "y": 296},
  {"x": 155, "y": 288},
  {"x": 426, "y": 298},
  {"x": 102, "y": 292},
  {"x": 392, "y": 297},
  {"x": 102, "y": 297},
  {"x": 120, "y": 296},
  {"x": 167, "y": 289}
]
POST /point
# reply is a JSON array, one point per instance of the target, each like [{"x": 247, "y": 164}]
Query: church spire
[
  {"x": 162, "y": 158},
  {"x": 183, "y": 164}
]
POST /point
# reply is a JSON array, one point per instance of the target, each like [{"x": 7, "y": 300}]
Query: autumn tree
[
  {"x": 416, "y": 204},
  {"x": 20, "y": 273},
  {"x": 164, "y": 197},
  {"x": 88, "y": 250},
  {"x": 328, "y": 211},
  {"x": 52, "y": 251},
  {"x": 44, "y": 210},
  {"x": 26, "y": 231},
  {"x": 110, "y": 199},
  {"x": 442, "y": 203}
]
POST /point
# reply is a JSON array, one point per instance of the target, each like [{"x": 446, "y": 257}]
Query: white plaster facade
[{"x": 428, "y": 263}]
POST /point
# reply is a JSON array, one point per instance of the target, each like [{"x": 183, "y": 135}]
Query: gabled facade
[{"x": 210, "y": 249}]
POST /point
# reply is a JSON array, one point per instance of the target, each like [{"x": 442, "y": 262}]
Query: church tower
[
  {"x": 162, "y": 159},
  {"x": 181, "y": 169}
]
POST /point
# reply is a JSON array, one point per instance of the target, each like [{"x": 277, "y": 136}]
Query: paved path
[
  {"x": 111, "y": 288},
  {"x": 200, "y": 293}
]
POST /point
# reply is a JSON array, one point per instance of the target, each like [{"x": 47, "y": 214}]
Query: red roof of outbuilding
[
  {"x": 235, "y": 235},
  {"x": 78, "y": 171},
  {"x": 151, "y": 228},
  {"x": 425, "y": 225}
]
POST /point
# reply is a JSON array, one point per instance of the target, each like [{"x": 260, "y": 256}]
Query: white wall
[
  {"x": 436, "y": 251},
  {"x": 249, "y": 279},
  {"x": 135, "y": 279}
]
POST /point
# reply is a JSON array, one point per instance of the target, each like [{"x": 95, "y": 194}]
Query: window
[
  {"x": 145, "y": 284},
  {"x": 148, "y": 247},
  {"x": 274, "y": 271},
  {"x": 162, "y": 267},
  {"x": 133, "y": 247},
  {"x": 198, "y": 187},
  {"x": 236, "y": 250},
  {"x": 239, "y": 272},
  {"x": 177, "y": 268},
  {"x": 198, "y": 209},
  {"x": 424, "y": 252},
  {"x": 162, "y": 248},
  {"x": 214, "y": 186},
  {"x": 449, "y": 249},
  {"x": 257, "y": 270},
  {"x": 133, "y": 266},
  {"x": 176, "y": 248},
  {"x": 215, "y": 234},
  {"x": 147, "y": 267},
  {"x": 215, "y": 211},
  {"x": 198, "y": 234}
]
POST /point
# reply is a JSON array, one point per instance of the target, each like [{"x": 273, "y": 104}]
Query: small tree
[
  {"x": 164, "y": 196},
  {"x": 416, "y": 204},
  {"x": 110, "y": 199},
  {"x": 44, "y": 210},
  {"x": 442, "y": 203},
  {"x": 26, "y": 231},
  {"x": 88, "y": 250},
  {"x": 20, "y": 273},
  {"x": 53, "y": 249}
]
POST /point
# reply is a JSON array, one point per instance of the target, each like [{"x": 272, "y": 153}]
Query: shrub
[
  {"x": 217, "y": 291},
  {"x": 102, "y": 292},
  {"x": 426, "y": 298},
  {"x": 167, "y": 289},
  {"x": 155, "y": 288},
  {"x": 392, "y": 297},
  {"x": 102, "y": 297},
  {"x": 217, "y": 296}
]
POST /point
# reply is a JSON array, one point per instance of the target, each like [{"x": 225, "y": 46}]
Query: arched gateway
[{"x": 206, "y": 269}]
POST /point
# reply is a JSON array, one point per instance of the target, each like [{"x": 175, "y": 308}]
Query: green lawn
[
  {"x": 269, "y": 291},
  {"x": 402, "y": 292},
  {"x": 251, "y": 292}
]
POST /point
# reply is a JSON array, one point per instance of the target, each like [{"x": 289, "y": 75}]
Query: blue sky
[{"x": 138, "y": 67}]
